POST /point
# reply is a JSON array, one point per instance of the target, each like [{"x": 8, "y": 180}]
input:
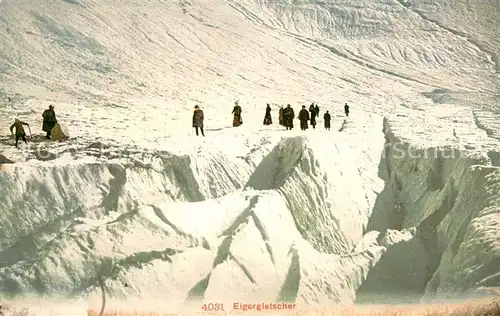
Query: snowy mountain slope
[
  {"x": 251, "y": 212},
  {"x": 389, "y": 34},
  {"x": 474, "y": 21},
  {"x": 119, "y": 60},
  {"x": 131, "y": 49}
]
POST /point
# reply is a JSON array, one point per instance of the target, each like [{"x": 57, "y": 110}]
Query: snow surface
[{"x": 400, "y": 201}]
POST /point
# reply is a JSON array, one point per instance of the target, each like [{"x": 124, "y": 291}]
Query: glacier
[{"x": 399, "y": 202}]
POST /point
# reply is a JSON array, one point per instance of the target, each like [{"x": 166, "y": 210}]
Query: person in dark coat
[
  {"x": 198, "y": 120},
  {"x": 313, "y": 115},
  {"x": 237, "y": 121},
  {"x": 327, "y": 119},
  {"x": 303, "y": 118},
  {"x": 49, "y": 120},
  {"x": 346, "y": 110},
  {"x": 316, "y": 108},
  {"x": 280, "y": 116},
  {"x": 267, "y": 118},
  {"x": 288, "y": 116},
  {"x": 20, "y": 134}
]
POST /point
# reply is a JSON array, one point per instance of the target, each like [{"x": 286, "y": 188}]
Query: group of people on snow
[
  {"x": 285, "y": 117},
  {"x": 49, "y": 121},
  {"x": 304, "y": 116}
]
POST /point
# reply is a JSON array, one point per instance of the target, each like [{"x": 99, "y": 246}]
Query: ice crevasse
[{"x": 307, "y": 223}]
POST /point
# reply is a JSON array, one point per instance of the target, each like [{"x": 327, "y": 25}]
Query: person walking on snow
[
  {"x": 267, "y": 118},
  {"x": 20, "y": 134},
  {"x": 313, "y": 115},
  {"x": 316, "y": 108},
  {"x": 303, "y": 118},
  {"x": 280, "y": 116},
  {"x": 346, "y": 110},
  {"x": 198, "y": 120},
  {"x": 49, "y": 120},
  {"x": 237, "y": 115},
  {"x": 327, "y": 119},
  {"x": 288, "y": 116}
]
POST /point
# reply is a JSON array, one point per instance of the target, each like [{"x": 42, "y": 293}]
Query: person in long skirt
[{"x": 267, "y": 118}]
